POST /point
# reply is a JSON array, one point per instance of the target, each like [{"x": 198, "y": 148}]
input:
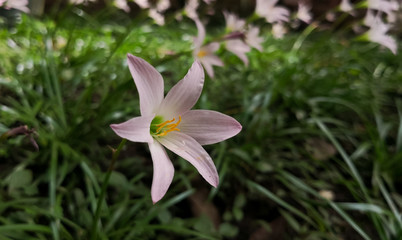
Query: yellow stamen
[
  {"x": 202, "y": 53},
  {"x": 161, "y": 125},
  {"x": 165, "y": 127}
]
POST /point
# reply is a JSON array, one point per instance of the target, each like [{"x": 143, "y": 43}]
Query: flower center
[
  {"x": 160, "y": 129},
  {"x": 202, "y": 53}
]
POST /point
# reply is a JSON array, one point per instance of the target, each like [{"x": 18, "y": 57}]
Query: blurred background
[{"x": 317, "y": 88}]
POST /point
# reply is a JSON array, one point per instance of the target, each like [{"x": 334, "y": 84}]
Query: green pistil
[{"x": 157, "y": 120}]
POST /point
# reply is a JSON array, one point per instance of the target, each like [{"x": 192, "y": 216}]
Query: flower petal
[
  {"x": 163, "y": 171},
  {"x": 239, "y": 48},
  {"x": 149, "y": 83},
  {"x": 135, "y": 129},
  {"x": 184, "y": 94},
  {"x": 189, "y": 149},
  {"x": 208, "y": 127},
  {"x": 201, "y": 33}
]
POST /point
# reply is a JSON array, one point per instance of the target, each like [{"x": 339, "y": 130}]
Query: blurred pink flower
[
  {"x": 278, "y": 30},
  {"x": 383, "y": 5},
  {"x": 252, "y": 37},
  {"x": 377, "y": 32},
  {"x": 21, "y": 5},
  {"x": 304, "y": 12},
  {"x": 122, "y": 4},
  {"x": 239, "y": 48},
  {"x": 156, "y": 16},
  {"x": 233, "y": 22},
  {"x": 237, "y": 29},
  {"x": 162, "y": 5},
  {"x": 345, "y": 6},
  {"x": 170, "y": 122},
  {"x": 191, "y": 9},
  {"x": 271, "y": 13},
  {"x": 142, "y": 3},
  {"x": 205, "y": 54}
]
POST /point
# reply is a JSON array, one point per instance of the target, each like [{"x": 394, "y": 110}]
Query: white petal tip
[
  {"x": 156, "y": 199},
  {"x": 215, "y": 183}
]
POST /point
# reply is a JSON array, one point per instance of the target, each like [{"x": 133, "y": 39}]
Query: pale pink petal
[
  {"x": 163, "y": 171},
  {"x": 122, "y": 4},
  {"x": 233, "y": 22},
  {"x": 135, "y": 129},
  {"x": 189, "y": 149},
  {"x": 253, "y": 39},
  {"x": 209, "y": 61},
  {"x": 163, "y": 5},
  {"x": 149, "y": 83},
  {"x": 239, "y": 48},
  {"x": 214, "y": 60},
  {"x": 212, "y": 47},
  {"x": 156, "y": 16},
  {"x": 184, "y": 94},
  {"x": 208, "y": 67},
  {"x": 345, "y": 6},
  {"x": 272, "y": 14},
  {"x": 304, "y": 12},
  {"x": 142, "y": 3},
  {"x": 201, "y": 33},
  {"x": 191, "y": 9},
  {"x": 209, "y": 127}
]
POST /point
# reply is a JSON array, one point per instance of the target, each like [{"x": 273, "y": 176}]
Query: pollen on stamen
[
  {"x": 202, "y": 53},
  {"x": 167, "y": 126}
]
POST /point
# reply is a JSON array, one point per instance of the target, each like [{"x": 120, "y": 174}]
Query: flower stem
[{"x": 95, "y": 223}]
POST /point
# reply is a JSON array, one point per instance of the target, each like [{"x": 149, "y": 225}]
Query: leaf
[{"x": 19, "y": 179}]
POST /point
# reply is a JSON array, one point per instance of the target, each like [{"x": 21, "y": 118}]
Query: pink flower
[
  {"x": 383, "y": 5},
  {"x": 345, "y": 6},
  {"x": 252, "y": 37},
  {"x": 278, "y": 30},
  {"x": 170, "y": 122},
  {"x": 156, "y": 16},
  {"x": 21, "y": 5},
  {"x": 162, "y": 5},
  {"x": 142, "y": 3},
  {"x": 239, "y": 48},
  {"x": 122, "y": 4},
  {"x": 271, "y": 13},
  {"x": 205, "y": 54},
  {"x": 191, "y": 9},
  {"x": 233, "y": 22},
  {"x": 304, "y": 12},
  {"x": 377, "y": 32}
]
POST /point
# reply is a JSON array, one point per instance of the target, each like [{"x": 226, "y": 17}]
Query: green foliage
[{"x": 318, "y": 112}]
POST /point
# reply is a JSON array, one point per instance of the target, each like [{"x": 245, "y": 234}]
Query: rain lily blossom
[
  {"x": 205, "y": 53},
  {"x": 383, "y": 5},
  {"x": 191, "y": 9},
  {"x": 239, "y": 38},
  {"x": 271, "y": 13},
  {"x": 142, "y": 3},
  {"x": 278, "y": 30},
  {"x": 233, "y": 22},
  {"x": 170, "y": 122},
  {"x": 377, "y": 32},
  {"x": 304, "y": 12},
  {"x": 346, "y": 6},
  {"x": 253, "y": 39},
  {"x": 239, "y": 48},
  {"x": 122, "y": 4},
  {"x": 21, "y": 5}
]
